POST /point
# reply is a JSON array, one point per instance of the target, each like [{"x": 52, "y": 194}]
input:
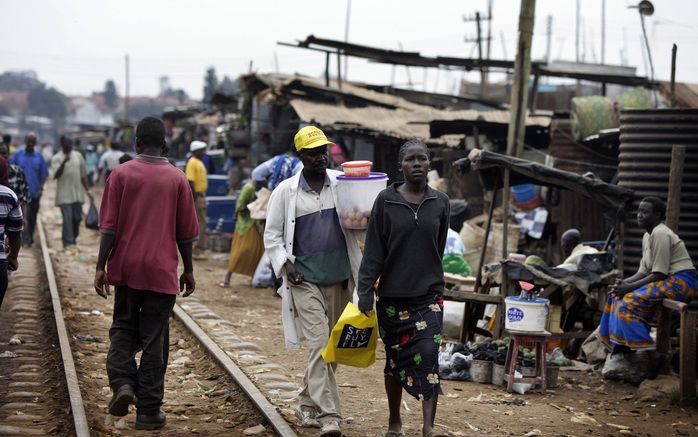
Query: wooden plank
[
  {"x": 688, "y": 355},
  {"x": 451, "y": 278},
  {"x": 674, "y": 305},
  {"x": 466, "y": 296},
  {"x": 570, "y": 335}
]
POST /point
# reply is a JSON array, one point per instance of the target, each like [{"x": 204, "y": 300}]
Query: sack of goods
[{"x": 353, "y": 339}]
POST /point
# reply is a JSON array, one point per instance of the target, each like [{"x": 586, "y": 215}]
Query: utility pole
[
  {"x": 576, "y": 35},
  {"x": 548, "y": 38},
  {"x": 478, "y": 43},
  {"x": 126, "y": 92},
  {"x": 603, "y": 31},
  {"x": 346, "y": 39},
  {"x": 519, "y": 98}
]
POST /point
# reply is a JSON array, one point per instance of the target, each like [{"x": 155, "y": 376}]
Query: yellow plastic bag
[{"x": 353, "y": 339}]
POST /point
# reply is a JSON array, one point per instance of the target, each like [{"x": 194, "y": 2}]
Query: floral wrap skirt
[{"x": 411, "y": 329}]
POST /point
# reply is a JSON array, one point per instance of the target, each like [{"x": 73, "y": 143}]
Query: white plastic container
[
  {"x": 524, "y": 315},
  {"x": 355, "y": 197}
]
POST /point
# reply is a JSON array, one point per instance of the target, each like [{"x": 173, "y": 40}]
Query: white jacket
[{"x": 278, "y": 242}]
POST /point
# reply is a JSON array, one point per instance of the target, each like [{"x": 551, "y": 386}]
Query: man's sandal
[
  {"x": 224, "y": 284},
  {"x": 393, "y": 434}
]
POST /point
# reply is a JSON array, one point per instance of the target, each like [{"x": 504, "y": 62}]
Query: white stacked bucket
[{"x": 357, "y": 190}]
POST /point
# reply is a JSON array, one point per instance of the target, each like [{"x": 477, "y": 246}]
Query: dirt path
[{"x": 466, "y": 408}]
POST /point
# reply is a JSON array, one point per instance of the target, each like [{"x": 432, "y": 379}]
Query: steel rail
[
  {"x": 258, "y": 399},
  {"x": 76, "y": 405}
]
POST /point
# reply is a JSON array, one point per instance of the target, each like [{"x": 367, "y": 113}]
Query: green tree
[
  {"x": 18, "y": 80},
  {"x": 47, "y": 102},
  {"x": 111, "y": 98},
  {"x": 210, "y": 84}
]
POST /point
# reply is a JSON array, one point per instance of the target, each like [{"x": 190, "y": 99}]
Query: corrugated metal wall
[{"x": 646, "y": 140}]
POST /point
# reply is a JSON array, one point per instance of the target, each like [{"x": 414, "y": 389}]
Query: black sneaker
[
  {"x": 151, "y": 421},
  {"x": 122, "y": 398}
]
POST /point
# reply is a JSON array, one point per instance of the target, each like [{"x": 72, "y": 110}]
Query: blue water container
[
  {"x": 221, "y": 213},
  {"x": 217, "y": 185},
  {"x": 524, "y": 193}
]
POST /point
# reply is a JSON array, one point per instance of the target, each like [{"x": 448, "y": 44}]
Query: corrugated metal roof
[{"x": 370, "y": 110}]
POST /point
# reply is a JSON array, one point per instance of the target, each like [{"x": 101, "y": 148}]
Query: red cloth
[{"x": 148, "y": 205}]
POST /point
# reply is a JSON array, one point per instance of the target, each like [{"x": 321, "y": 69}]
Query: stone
[
  {"x": 281, "y": 386},
  {"x": 22, "y": 375},
  {"x": 15, "y": 340},
  {"x": 24, "y": 384},
  {"x": 283, "y": 394},
  {"x": 659, "y": 388},
  {"x": 30, "y": 367},
  {"x": 266, "y": 366},
  {"x": 272, "y": 377},
  {"x": 255, "y": 430},
  {"x": 16, "y": 430},
  {"x": 24, "y": 351},
  {"x": 19, "y": 406},
  {"x": 23, "y": 394},
  {"x": 247, "y": 346},
  {"x": 247, "y": 360},
  {"x": 23, "y": 418}
]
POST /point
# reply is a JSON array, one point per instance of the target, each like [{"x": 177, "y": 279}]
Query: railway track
[{"x": 52, "y": 368}]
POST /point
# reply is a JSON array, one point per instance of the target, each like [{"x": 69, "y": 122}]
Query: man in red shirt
[{"x": 147, "y": 214}]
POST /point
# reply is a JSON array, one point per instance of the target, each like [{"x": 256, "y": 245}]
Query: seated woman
[{"x": 666, "y": 271}]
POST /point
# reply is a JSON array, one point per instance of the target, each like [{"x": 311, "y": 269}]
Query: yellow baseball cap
[{"x": 310, "y": 137}]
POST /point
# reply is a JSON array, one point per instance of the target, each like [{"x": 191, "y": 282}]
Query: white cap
[{"x": 197, "y": 145}]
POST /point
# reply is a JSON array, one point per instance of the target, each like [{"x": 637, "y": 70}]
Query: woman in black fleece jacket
[{"x": 404, "y": 244}]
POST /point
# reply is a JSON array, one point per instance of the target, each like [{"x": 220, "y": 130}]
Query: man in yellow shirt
[{"x": 198, "y": 179}]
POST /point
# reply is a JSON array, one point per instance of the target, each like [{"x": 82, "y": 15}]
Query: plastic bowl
[{"x": 357, "y": 169}]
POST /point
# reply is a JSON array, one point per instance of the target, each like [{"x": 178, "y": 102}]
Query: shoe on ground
[
  {"x": 151, "y": 421},
  {"x": 307, "y": 418},
  {"x": 122, "y": 398},
  {"x": 331, "y": 429}
]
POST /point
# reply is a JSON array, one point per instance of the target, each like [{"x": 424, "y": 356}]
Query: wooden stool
[{"x": 516, "y": 339}]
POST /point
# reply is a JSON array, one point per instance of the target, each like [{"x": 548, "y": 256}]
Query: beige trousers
[
  {"x": 318, "y": 308},
  {"x": 201, "y": 206}
]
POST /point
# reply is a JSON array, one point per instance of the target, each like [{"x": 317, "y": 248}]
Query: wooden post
[
  {"x": 673, "y": 205},
  {"x": 327, "y": 69},
  {"x": 519, "y": 96},
  {"x": 468, "y": 308},
  {"x": 339, "y": 69},
  {"x": 687, "y": 353}
]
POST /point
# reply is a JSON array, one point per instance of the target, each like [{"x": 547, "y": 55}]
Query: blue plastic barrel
[
  {"x": 217, "y": 185},
  {"x": 524, "y": 193},
  {"x": 221, "y": 207}
]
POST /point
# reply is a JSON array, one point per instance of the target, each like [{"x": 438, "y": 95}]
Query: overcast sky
[{"x": 76, "y": 45}]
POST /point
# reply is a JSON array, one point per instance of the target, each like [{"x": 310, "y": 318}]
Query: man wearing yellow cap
[
  {"x": 197, "y": 176},
  {"x": 318, "y": 262}
]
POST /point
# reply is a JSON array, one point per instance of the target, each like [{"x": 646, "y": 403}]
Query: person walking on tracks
[
  {"x": 11, "y": 221},
  {"x": 406, "y": 236},
  {"x": 32, "y": 163},
  {"x": 69, "y": 170},
  {"x": 147, "y": 214},
  {"x": 316, "y": 258}
]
